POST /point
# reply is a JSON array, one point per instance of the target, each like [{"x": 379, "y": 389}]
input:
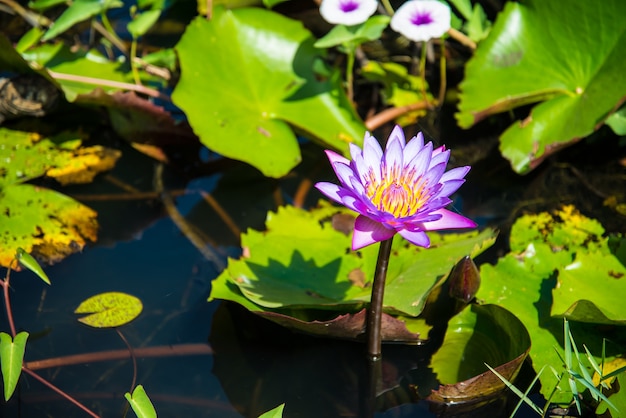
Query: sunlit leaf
[
  {"x": 31, "y": 264},
  {"x": 267, "y": 89},
  {"x": 110, "y": 309},
  {"x": 11, "y": 358},
  {"x": 143, "y": 22},
  {"x": 400, "y": 87},
  {"x": 319, "y": 271},
  {"x": 526, "y": 283},
  {"x": 569, "y": 59},
  {"x": 78, "y": 11},
  {"x": 274, "y": 413},
  {"x": 45, "y": 223},
  {"x": 63, "y": 228},
  {"x": 141, "y": 404},
  {"x": 369, "y": 30}
]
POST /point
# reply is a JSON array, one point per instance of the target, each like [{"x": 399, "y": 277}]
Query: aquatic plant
[{"x": 403, "y": 190}]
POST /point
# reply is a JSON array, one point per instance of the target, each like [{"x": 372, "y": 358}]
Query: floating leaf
[
  {"x": 568, "y": 59},
  {"x": 11, "y": 358},
  {"x": 110, "y": 309},
  {"x": 31, "y": 264},
  {"x": 264, "y": 62},
  {"x": 477, "y": 335},
  {"x": 141, "y": 404},
  {"x": 526, "y": 283},
  {"x": 320, "y": 272},
  {"x": 617, "y": 398},
  {"x": 274, "y": 413},
  {"x": 46, "y": 224}
]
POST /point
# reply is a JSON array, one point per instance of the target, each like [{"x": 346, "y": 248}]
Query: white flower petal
[
  {"x": 421, "y": 20},
  {"x": 347, "y": 12}
]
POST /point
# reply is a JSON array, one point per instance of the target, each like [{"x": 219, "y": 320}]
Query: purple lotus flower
[
  {"x": 421, "y": 20},
  {"x": 403, "y": 190},
  {"x": 347, "y": 12}
]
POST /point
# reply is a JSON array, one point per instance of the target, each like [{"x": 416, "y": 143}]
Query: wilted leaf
[
  {"x": 108, "y": 310},
  {"x": 11, "y": 358},
  {"x": 352, "y": 326},
  {"x": 84, "y": 164},
  {"x": 141, "y": 404},
  {"x": 267, "y": 87},
  {"x": 46, "y": 224}
]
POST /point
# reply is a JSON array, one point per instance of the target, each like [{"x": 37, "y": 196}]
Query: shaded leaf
[
  {"x": 11, "y": 358},
  {"x": 31, "y": 264},
  {"x": 352, "y": 326},
  {"x": 110, "y": 309},
  {"x": 141, "y": 404},
  {"x": 477, "y": 335},
  {"x": 264, "y": 62},
  {"x": 568, "y": 59}
]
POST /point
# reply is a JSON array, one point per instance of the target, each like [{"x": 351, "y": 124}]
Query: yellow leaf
[
  {"x": 110, "y": 309},
  {"x": 84, "y": 165}
]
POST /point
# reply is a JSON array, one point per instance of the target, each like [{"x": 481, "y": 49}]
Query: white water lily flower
[
  {"x": 421, "y": 20},
  {"x": 347, "y": 12}
]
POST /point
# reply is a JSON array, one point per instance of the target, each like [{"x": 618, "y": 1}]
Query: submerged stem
[{"x": 375, "y": 311}]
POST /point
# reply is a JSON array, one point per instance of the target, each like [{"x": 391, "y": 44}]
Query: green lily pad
[
  {"x": 527, "y": 282},
  {"x": 253, "y": 82},
  {"x": 110, "y": 309},
  {"x": 617, "y": 398},
  {"x": 11, "y": 359},
  {"x": 317, "y": 270},
  {"x": 479, "y": 335},
  {"x": 568, "y": 58},
  {"x": 591, "y": 289},
  {"x": 316, "y": 284}
]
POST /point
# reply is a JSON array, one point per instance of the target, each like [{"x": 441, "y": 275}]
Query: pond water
[{"x": 230, "y": 363}]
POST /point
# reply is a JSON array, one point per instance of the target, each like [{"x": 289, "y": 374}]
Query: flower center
[
  {"x": 400, "y": 196},
  {"x": 348, "y": 6},
  {"x": 420, "y": 19}
]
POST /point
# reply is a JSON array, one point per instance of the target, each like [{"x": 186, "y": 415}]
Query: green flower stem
[
  {"x": 375, "y": 311},
  {"x": 423, "y": 70},
  {"x": 349, "y": 72},
  {"x": 387, "y": 7},
  {"x": 442, "y": 74}
]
